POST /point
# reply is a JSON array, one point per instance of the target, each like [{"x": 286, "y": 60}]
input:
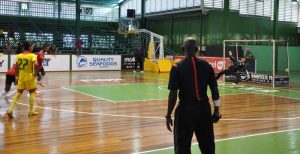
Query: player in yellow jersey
[{"x": 25, "y": 76}]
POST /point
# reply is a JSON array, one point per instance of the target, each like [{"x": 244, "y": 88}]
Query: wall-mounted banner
[
  {"x": 56, "y": 63},
  {"x": 216, "y": 62},
  {"x": 128, "y": 61},
  {"x": 3, "y": 63},
  {"x": 96, "y": 62}
]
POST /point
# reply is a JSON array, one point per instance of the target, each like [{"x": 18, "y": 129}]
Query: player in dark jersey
[
  {"x": 193, "y": 114},
  {"x": 234, "y": 68},
  {"x": 40, "y": 57},
  {"x": 10, "y": 78}
]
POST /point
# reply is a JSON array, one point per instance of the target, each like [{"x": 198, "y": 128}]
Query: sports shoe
[
  {"x": 142, "y": 71},
  {"x": 9, "y": 114},
  {"x": 134, "y": 71},
  {"x": 42, "y": 84},
  {"x": 32, "y": 113}
]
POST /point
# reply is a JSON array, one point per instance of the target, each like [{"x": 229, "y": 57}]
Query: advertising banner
[
  {"x": 128, "y": 62},
  {"x": 96, "y": 62},
  {"x": 262, "y": 79},
  {"x": 3, "y": 63},
  {"x": 216, "y": 62},
  {"x": 56, "y": 63}
]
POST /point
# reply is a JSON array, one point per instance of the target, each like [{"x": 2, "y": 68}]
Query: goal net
[{"x": 267, "y": 61}]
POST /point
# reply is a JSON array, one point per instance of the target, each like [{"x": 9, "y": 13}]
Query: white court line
[
  {"x": 91, "y": 113},
  {"x": 226, "y": 139},
  {"x": 160, "y": 118},
  {"x": 100, "y": 98}
]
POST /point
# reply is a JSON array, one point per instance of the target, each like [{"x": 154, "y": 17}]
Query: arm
[
  {"x": 173, "y": 87},
  {"x": 17, "y": 70},
  {"x": 213, "y": 85},
  {"x": 171, "y": 102},
  {"x": 35, "y": 66}
]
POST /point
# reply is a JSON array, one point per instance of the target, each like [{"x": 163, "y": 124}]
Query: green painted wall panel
[{"x": 240, "y": 27}]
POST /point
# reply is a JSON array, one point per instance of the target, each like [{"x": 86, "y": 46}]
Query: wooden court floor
[{"x": 122, "y": 113}]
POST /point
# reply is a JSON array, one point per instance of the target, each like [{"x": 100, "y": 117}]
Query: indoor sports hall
[{"x": 107, "y": 68}]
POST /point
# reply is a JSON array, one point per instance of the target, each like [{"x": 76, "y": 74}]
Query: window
[{"x": 68, "y": 40}]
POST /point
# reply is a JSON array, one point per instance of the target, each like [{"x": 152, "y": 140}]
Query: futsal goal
[{"x": 269, "y": 64}]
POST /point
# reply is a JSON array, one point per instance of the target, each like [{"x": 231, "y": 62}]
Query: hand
[
  {"x": 16, "y": 81},
  {"x": 216, "y": 116},
  {"x": 230, "y": 53},
  {"x": 169, "y": 123}
]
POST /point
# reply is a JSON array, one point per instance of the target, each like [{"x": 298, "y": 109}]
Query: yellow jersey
[{"x": 25, "y": 62}]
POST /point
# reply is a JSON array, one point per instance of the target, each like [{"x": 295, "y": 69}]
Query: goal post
[{"x": 270, "y": 65}]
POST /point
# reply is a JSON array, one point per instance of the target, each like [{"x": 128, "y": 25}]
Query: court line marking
[
  {"x": 100, "y": 98},
  {"x": 142, "y": 100},
  {"x": 159, "y": 118},
  {"x": 266, "y": 94},
  {"x": 226, "y": 139}
]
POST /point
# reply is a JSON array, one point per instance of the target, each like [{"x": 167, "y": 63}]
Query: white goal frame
[{"x": 273, "y": 54}]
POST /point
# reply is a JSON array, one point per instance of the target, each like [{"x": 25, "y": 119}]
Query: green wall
[
  {"x": 264, "y": 61},
  {"x": 239, "y": 27}
]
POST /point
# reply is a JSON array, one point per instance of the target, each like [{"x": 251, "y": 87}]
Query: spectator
[
  {"x": 11, "y": 33},
  {"x": 2, "y": 37},
  {"x": 19, "y": 48},
  {"x": 78, "y": 45},
  {"x": 8, "y": 48},
  {"x": 249, "y": 54}
]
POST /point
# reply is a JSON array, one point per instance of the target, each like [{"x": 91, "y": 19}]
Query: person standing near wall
[
  {"x": 139, "y": 59},
  {"x": 249, "y": 54},
  {"x": 191, "y": 77},
  {"x": 2, "y": 37},
  {"x": 78, "y": 46}
]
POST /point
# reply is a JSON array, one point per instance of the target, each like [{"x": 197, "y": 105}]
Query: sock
[
  {"x": 31, "y": 102},
  {"x": 14, "y": 102}
]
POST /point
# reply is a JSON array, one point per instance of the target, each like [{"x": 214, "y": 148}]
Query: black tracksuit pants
[
  {"x": 190, "y": 118},
  {"x": 139, "y": 62}
]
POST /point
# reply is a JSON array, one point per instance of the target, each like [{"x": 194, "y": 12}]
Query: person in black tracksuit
[
  {"x": 234, "y": 68},
  {"x": 139, "y": 59},
  {"x": 193, "y": 114}
]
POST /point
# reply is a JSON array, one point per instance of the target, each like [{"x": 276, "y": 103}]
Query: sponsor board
[
  {"x": 216, "y": 62},
  {"x": 263, "y": 79},
  {"x": 3, "y": 63},
  {"x": 96, "y": 62},
  {"x": 56, "y": 63},
  {"x": 128, "y": 62},
  {"x": 52, "y": 62}
]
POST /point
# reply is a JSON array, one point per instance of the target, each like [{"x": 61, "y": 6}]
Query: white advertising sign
[
  {"x": 52, "y": 62},
  {"x": 96, "y": 62},
  {"x": 3, "y": 63},
  {"x": 56, "y": 63}
]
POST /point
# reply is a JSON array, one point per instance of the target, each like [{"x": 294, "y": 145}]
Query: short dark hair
[
  {"x": 27, "y": 45},
  {"x": 190, "y": 46}
]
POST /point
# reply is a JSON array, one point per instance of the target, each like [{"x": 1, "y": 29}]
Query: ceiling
[
  {"x": 103, "y": 2},
  {"x": 97, "y": 2}
]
